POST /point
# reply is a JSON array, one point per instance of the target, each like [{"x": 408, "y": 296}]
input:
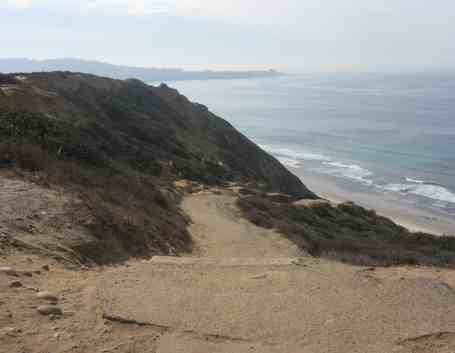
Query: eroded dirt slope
[{"x": 41, "y": 220}]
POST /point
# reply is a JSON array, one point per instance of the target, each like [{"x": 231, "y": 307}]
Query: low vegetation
[
  {"x": 349, "y": 233},
  {"x": 7, "y": 79},
  {"x": 135, "y": 213},
  {"x": 119, "y": 146}
]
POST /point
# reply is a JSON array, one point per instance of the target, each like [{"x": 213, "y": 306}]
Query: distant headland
[{"x": 11, "y": 65}]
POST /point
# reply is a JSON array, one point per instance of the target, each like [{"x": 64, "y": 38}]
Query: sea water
[{"x": 384, "y": 132}]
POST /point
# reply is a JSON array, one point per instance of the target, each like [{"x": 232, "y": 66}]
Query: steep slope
[
  {"x": 104, "y": 120},
  {"x": 114, "y": 149}
]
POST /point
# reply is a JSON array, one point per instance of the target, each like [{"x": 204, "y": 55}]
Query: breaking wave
[
  {"x": 296, "y": 158},
  {"x": 431, "y": 191},
  {"x": 349, "y": 171}
]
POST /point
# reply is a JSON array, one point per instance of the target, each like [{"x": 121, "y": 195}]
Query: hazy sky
[{"x": 291, "y": 35}]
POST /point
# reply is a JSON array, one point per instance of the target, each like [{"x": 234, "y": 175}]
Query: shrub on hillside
[
  {"x": 132, "y": 217},
  {"x": 349, "y": 233}
]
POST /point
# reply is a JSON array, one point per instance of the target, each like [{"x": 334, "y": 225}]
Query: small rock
[
  {"x": 27, "y": 273},
  {"x": 49, "y": 310},
  {"x": 11, "y": 331},
  {"x": 57, "y": 335},
  {"x": 15, "y": 284},
  {"x": 46, "y": 268},
  {"x": 263, "y": 276},
  {"x": 279, "y": 197},
  {"x": 37, "y": 272},
  {"x": 47, "y": 296},
  {"x": 8, "y": 271}
]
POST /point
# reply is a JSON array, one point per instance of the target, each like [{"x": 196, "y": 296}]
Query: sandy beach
[{"x": 409, "y": 215}]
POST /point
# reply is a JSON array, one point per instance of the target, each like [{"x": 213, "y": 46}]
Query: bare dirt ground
[
  {"x": 41, "y": 220},
  {"x": 219, "y": 230},
  {"x": 244, "y": 289}
]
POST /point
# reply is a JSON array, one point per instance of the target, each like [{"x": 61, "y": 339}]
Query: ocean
[{"x": 388, "y": 134}]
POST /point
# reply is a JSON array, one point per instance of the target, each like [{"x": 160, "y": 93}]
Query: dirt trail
[
  {"x": 244, "y": 289},
  {"x": 219, "y": 230}
]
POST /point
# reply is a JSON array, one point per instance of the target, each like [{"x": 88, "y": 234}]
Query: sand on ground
[
  {"x": 244, "y": 289},
  {"x": 218, "y": 230}
]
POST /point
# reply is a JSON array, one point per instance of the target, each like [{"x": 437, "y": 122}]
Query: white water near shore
[
  {"x": 386, "y": 204},
  {"x": 384, "y": 141},
  {"x": 323, "y": 164}
]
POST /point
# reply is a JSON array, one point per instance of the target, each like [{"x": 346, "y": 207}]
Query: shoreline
[{"x": 410, "y": 216}]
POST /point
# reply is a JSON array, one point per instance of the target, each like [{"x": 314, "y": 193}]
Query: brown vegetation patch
[
  {"x": 349, "y": 233},
  {"x": 131, "y": 212}
]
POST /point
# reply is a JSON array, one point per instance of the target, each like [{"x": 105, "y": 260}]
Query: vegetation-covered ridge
[
  {"x": 120, "y": 146},
  {"x": 148, "y": 128}
]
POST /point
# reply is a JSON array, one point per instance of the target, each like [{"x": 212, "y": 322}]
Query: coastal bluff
[{"x": 133, "y": 220}]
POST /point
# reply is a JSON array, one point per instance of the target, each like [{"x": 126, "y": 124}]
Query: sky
[{"x": 288, "y": 35}]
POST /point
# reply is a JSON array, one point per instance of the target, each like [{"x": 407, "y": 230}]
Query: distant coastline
[{"x": 15, "y": 65}]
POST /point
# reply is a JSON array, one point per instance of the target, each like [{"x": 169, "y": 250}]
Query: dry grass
[
  {"x": 349, "y": 233},
  {"x": 132, "y": 215}
]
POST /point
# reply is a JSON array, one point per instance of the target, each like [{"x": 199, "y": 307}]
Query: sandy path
[
  {"x": 219, "y": 230},
  {"x": 244, "y": 290}
]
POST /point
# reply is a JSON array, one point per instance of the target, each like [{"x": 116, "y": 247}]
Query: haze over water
[{"x": 389, "y": 133}]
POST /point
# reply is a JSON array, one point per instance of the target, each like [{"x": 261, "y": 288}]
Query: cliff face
[{"x": 101, "y": 120}]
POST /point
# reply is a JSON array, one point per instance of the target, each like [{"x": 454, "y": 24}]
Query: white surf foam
[
  {"x": 416, "y": 181},
  {"x": 435, "y": 192},
  {"x": 294, "y": 159},
  {"x": 294, "y": 154},
  {"x": 349, "y": 171},
  {"x": 289, "y": 162}
]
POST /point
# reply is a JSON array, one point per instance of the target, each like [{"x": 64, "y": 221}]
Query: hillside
[
  {"x": 124, "y": 72},
  {"x": 241, "y": 289},
  {"x": 133, "y": 220},
  {"x": 119, "y": 146}
]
